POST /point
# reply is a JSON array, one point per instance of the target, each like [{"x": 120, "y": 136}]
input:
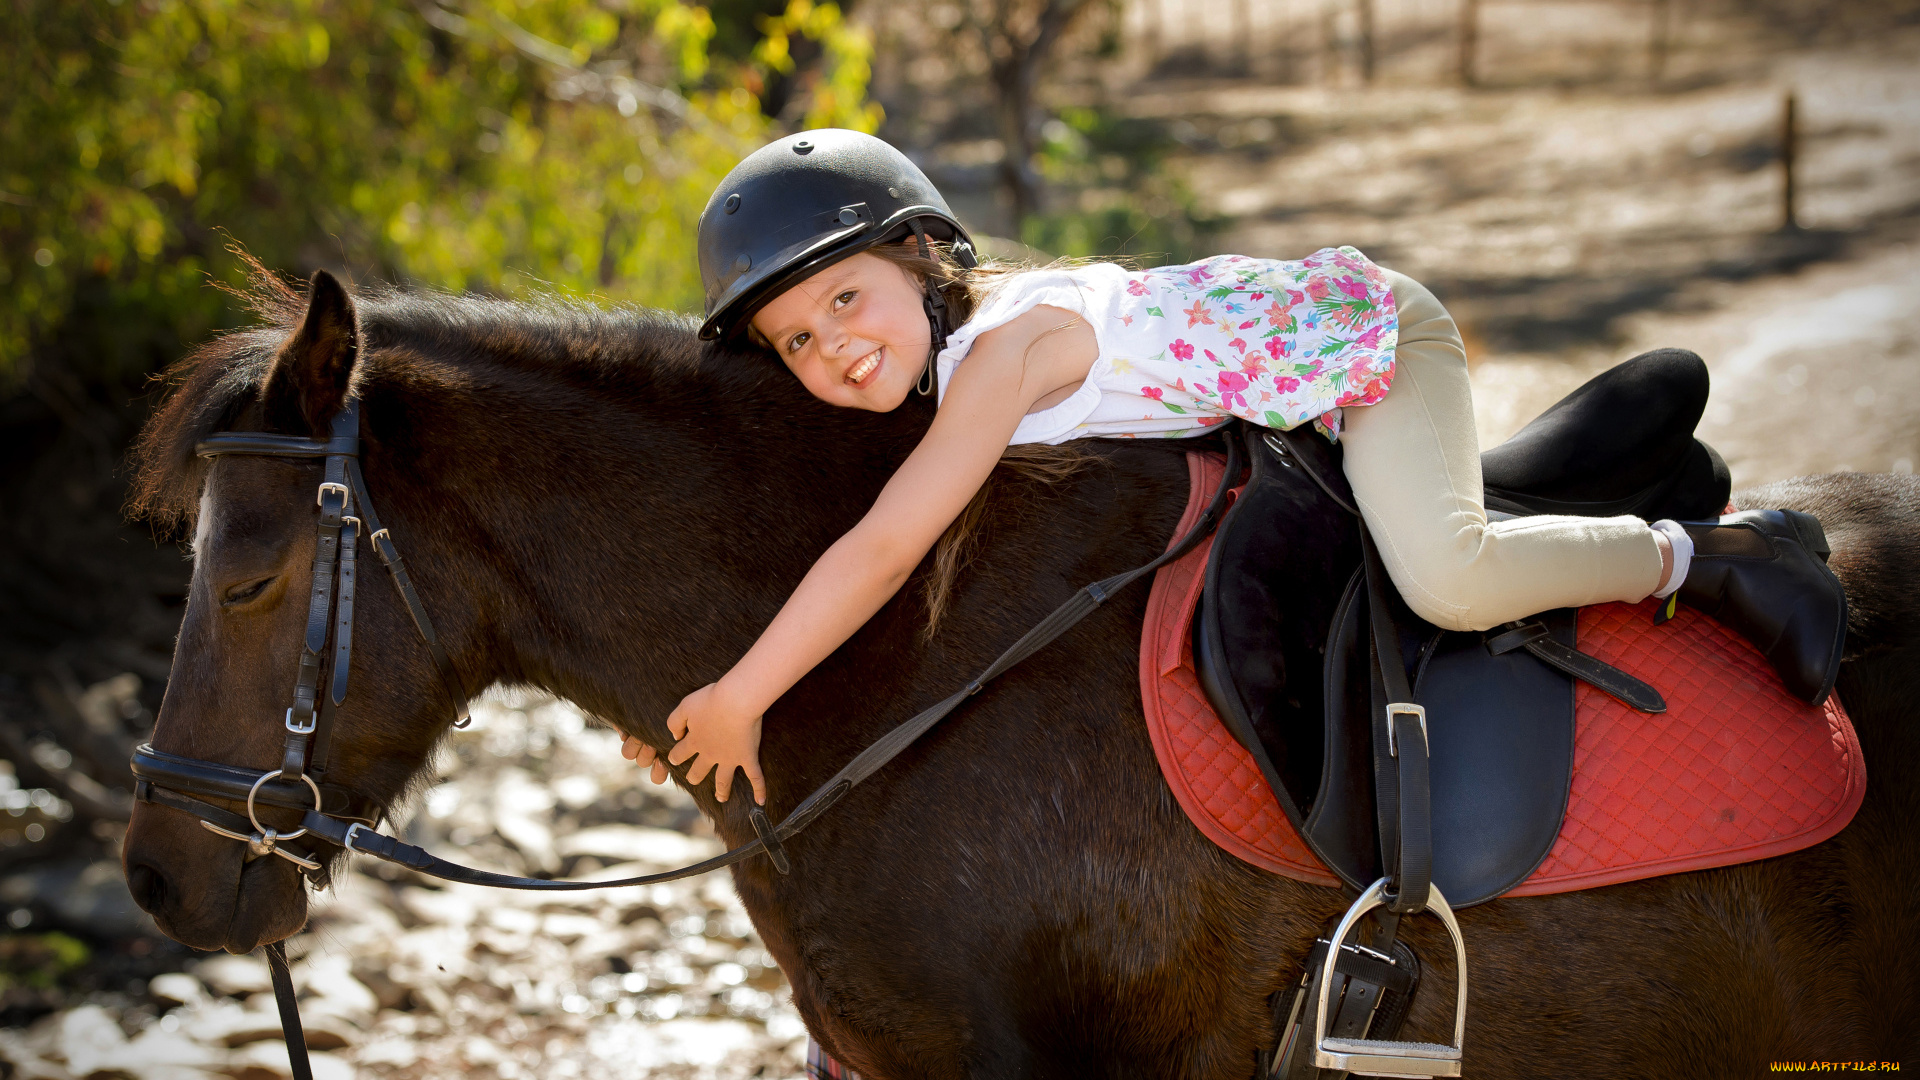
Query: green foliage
[
  {"x": 38, "y": 960},
  {"x": 1114, "y": 195},
  {"x": 839, "y": 94},
  {"x": 498, "y": 145}
]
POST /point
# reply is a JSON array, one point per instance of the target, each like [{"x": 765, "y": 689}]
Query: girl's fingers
[
  {"x": 722, "y": 784},
  {"x": 759, "y": 786},
  {"x": 629, "y": 747},
  {"x": 659, "y": 771}
]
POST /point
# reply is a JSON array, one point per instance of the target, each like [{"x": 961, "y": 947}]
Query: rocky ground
[{"x": 406, "y": 978}]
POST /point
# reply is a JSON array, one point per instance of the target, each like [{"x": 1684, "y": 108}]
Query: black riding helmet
[{"x": 800, "y": 204}]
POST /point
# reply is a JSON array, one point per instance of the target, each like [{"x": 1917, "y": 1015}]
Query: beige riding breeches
[{"x": 1414, "y": 461}]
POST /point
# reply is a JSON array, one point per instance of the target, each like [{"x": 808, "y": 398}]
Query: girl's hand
[
  {"x": 716, "y": 737},
  {"x": 644, "y": 756}
]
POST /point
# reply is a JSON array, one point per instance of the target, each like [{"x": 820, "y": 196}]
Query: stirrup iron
[{"x": 1379, "y": 1057}]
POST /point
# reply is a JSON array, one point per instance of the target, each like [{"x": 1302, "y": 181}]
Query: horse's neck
[{"x": 635, "y": 558}]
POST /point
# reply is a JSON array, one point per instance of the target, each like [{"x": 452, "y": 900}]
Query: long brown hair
[{"x": 964, "y": 290}]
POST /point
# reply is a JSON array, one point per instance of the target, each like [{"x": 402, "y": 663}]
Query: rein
[{"x": 345, "y": 819}]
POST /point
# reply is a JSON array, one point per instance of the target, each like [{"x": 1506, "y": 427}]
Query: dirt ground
[{"x": 1568, "y": 227}]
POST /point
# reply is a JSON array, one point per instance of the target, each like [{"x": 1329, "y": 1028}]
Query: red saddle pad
[{"x": 1735, "y": 769}]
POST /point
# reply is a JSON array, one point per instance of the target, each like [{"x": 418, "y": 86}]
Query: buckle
[
  {"x": 320, "y": 497},
  {"x": 1381, "y": 1057},
  {"x": 313, "y": 719},
  {"x": 1402, "y": 708}
]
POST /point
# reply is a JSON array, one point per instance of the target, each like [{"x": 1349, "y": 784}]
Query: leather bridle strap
[
  {"x": 356, "y": 837},
  {"x": 1402, "y": 796},
  {"x": 289, "y": 1005},
  {"x": 402, "y": 581}
]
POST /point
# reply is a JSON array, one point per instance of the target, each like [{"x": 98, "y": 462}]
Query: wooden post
[
  {"x": 1243, "y": 34},
  {"x": 1154, "y": 28},
  {"x": 1469, "y": 39},
  {"x": 1366, "y": 42},
  {"x": 1789, "y": 155},
  {"x": 1657, "y": 44}
]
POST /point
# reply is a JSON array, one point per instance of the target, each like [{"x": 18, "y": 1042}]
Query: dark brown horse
[{"x": 596, "y": 504}]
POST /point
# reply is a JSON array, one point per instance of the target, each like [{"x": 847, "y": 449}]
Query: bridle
[
  {"x": 343, "y": 818},
  {"x": 345, "y": 511}
]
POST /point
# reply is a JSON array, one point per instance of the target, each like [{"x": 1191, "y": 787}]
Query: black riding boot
[{"x": 1764, "y": 573}]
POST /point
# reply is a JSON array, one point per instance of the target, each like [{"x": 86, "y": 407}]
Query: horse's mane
[
  {"x": 415, "y": 334},
  {"x": 425, "y": 336}
]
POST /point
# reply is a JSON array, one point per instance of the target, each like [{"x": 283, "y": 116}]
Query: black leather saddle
[{"x": 1284, "y": 654}]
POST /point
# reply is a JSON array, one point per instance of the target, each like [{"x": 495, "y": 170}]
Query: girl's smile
[{"x": 863, "y": 370}]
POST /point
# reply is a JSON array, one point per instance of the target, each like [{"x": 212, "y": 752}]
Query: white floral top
[{"x": 1184, "y": 347}]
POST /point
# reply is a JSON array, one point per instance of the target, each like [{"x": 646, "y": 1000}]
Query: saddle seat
[{"x": 1286, "y": 672}]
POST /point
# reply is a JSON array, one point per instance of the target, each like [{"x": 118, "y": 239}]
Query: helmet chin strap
[{"x": 936, "y": 308}]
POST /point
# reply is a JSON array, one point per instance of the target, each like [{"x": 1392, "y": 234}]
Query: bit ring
[{"x": 255, "y": 790}]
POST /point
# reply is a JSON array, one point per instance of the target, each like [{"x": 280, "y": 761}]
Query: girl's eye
[
  {"x": 797, "y": 342},
  {"x": 845, "y": 298}
]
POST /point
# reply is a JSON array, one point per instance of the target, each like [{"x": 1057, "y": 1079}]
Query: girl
[{"x": 816, "y": 247}]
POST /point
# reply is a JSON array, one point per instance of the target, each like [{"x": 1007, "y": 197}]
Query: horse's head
[{"x": 240, "y": 646}]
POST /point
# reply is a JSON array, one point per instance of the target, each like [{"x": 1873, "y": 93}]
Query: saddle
[
  {"x": 1419, "y": 816},
  {"x": 1499, "y": 705}
]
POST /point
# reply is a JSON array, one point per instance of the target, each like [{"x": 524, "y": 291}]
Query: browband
[{"x": 266, "y": 444}]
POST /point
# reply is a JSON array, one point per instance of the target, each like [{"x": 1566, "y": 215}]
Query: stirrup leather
[{"x": 1379, "y": 1057}]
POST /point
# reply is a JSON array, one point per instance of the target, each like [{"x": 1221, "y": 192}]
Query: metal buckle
[
  {"x": 352, "y": 828},
  {"x": 1381, "y": 1057},
  {"x": 320, "y": 497},
  {"x": 298, "y": 729},
  {"x": 1401, "y": 708},
  {"x": 1279, "y": 448}
]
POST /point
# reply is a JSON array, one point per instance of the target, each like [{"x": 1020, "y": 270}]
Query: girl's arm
[{"x": 718, "y": 726}]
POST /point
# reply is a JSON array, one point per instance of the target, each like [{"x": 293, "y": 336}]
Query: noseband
[{"x": 300, "y": 783}]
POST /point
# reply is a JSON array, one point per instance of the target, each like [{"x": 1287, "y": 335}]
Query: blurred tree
[
  {"x": 1018, "y": 37},
  {"x": 490, "y": 144},
  {"x": 501, "y": 145}
]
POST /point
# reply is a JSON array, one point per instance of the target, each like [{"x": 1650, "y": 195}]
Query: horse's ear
[{"x": 308, "y": 383}]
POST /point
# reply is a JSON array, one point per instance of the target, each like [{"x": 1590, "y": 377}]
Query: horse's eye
[{"x": 241, "y": 593}]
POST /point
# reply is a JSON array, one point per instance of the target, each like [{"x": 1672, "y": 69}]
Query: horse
[{"x": 597, "y": 504}]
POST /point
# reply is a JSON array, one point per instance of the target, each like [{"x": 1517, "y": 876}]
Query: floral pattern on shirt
[
  {"x": 1278, "y": 343},
  {"x": 1183, "y": 348}
]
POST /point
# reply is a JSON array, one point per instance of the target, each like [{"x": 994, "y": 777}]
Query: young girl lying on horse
[{"x": 817, "y": 247}]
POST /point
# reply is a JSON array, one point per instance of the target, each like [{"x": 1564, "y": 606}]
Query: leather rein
[{"x": 343, "y": 818}]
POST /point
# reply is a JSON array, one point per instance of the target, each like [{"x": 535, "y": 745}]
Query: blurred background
[{"x": 1578, "y": 180}]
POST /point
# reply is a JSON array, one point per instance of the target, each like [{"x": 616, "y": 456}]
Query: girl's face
[{"x": 855, "y": 334}]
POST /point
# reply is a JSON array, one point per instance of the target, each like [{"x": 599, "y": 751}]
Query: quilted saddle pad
[{"x": 1734, "y": 771}]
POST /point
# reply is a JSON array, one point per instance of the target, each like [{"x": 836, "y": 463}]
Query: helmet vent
[
  {"x": 804, "y": 146},
  {"x": 733, "y": 203}
]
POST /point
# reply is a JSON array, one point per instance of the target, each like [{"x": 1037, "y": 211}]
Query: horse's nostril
[{"x": 148, "y": 886}]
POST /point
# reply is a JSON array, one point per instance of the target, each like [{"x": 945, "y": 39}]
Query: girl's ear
[{"x": 310, "y": 375}]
